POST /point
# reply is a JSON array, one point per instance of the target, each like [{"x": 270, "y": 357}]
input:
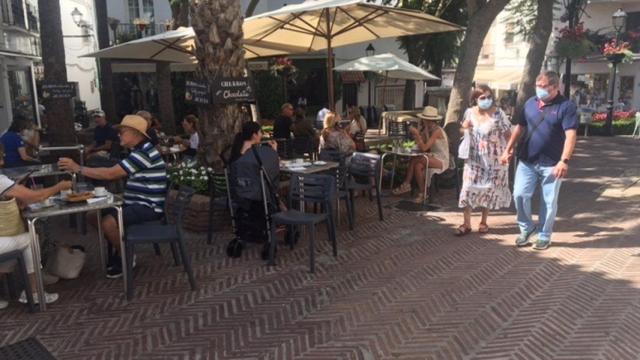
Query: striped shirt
[{"x": 147, "y": 181}]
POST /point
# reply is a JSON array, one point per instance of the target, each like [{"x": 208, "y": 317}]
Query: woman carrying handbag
[{"x": 485, "y": 181}]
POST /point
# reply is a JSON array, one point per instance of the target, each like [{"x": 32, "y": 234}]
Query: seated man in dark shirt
[
  {"x": 282, "y": 125},
  {"x": 104, "y": 136}
]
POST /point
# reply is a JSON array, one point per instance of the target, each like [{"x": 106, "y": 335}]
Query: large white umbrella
[
  {"x": 324, "y": 24},
  {"x": 388, "y": 65},
  {"x": 178, "y": 46}
]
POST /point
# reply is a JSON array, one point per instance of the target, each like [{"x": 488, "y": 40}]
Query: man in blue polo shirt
[
  {"x": 549, "y": 125},
  {"x": 146, "y": 186}
]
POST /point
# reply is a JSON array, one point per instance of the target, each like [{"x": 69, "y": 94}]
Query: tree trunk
[
  {"x": 481, "y": 15},
  {"x": 219, "y": 38},
  {"x": 107, "y": 98},
  {"x": 165, "y": 97},
  {"x": 251, "y": 8},
  {"x": 59, "y": 111},
  {"x": 535, "y": 57},
  {"x": 179, "y": 13}
]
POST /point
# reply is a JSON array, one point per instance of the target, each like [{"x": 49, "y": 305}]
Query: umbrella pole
[
  {"x": 384, "y": 100},
  {"x": 330, "y": 63}
]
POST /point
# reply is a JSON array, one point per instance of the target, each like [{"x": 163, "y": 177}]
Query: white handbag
[
  {"x": 465, "y": 145},
  {"x": 67, "y": 262}
]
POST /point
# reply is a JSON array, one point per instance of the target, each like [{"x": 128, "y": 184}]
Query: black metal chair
[
  {"x": 17, "y": 257},
  {"x": 154, "y": 233},
  {"x": 342, "y": 177},
  {"x": 363, "y": 168},
  {"x": 303, "y": 190}
]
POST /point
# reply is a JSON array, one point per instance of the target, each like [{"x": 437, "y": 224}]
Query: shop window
[{"x": 21, "y": 91}]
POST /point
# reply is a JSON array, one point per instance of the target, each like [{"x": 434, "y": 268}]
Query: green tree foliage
[{"x": 435, "y": 51}]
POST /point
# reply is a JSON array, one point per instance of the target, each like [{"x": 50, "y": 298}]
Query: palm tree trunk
[
  {"x": 59, "y": 111},
  {"x": 107, "y": 99},
  {"x": 165, "y": 97},
  {"x": 535, "y": 57},
  {"x": 219, "y": 39},
  {"x": 481, "y": 15}
]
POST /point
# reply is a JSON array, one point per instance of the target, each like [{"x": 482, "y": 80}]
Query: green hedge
[{"x": 620, "y": 127}]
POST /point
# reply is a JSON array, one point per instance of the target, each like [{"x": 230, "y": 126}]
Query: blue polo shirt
[
  {"x": 12, "y": 142},
  {"x": 547, "y": 142}
]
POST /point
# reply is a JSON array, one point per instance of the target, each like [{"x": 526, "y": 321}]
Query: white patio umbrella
[
  {"x": 324, "y": 24},
  {"x": 388, "y": 65},
  {"x": 178, "y": 46}
]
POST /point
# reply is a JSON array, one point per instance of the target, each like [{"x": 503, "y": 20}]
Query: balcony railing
[{"x": 126, "y": 32}]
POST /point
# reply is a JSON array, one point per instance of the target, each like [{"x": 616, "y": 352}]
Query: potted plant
[
  {"x": 573, "y": 43},
  {"x": 196, "y": 217},
  {"x": 284, "y": 67},
  {"x": 617, "y": 51}
]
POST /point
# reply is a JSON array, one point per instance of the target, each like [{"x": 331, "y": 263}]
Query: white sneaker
[
  {"x": 3, "y": 304},
  {"x": 48, "y": 297}
]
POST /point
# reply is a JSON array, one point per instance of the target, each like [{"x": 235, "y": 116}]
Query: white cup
[
  {"x": 100, "y": 191},
  {"x": 47, "y": 202},
  {"x": 65, "y": 193}
]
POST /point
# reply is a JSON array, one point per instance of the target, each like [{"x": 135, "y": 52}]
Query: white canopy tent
[{"x": 387, "y": 65}]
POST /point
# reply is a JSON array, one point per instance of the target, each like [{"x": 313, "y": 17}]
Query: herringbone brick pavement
[{"x": 404, "y": 288}]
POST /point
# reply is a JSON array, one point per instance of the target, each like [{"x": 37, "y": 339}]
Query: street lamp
[
  {"x": 371, "y": 76},
  {"x": 370, "y": 50},
  {"x": 619, "y": 20},
  {"x": 76, "y": 15}
]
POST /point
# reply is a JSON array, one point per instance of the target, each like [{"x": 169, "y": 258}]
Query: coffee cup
[
  {"x": 65, "y": 193},
  {"x": 47, "y": 202},
  {"x": 100, "y": 191}
]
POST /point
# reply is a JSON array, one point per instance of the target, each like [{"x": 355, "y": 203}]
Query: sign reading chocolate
[{"x": 228, "y": 90}]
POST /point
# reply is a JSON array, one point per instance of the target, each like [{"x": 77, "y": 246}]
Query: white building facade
[{"x": 19, "y": 51}]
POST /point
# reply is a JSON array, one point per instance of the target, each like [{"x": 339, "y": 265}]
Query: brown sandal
[
  {"x": 462, "y": 230},
  {"x": 483, "y": 228}
]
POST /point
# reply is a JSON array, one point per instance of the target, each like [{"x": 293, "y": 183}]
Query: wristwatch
[{"x": 566, "y": 161}]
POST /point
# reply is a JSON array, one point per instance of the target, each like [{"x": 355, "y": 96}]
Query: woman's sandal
[
  {"x": 483, "y": 228},
  {"x": 403, "y": 188},
  {"x": 462, "y": 230}
]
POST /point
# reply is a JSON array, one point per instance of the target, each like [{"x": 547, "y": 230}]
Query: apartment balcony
[
  {"x": 124, "y": 32},
  {"x": 18, "y": 15}
]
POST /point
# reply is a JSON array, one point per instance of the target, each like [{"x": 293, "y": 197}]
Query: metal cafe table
[
  {"x": 62, "y": 207},
  {"x": 307, "y": 168},
  {"x": 35, "y": 171}
]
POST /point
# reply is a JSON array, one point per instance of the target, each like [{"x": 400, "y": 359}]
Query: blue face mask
[
  {"x": 485, "y": 104},
  {"x": 542, "y": 93}
]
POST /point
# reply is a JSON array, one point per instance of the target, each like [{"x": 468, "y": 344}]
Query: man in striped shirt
[{"x": 146, "y": 183}]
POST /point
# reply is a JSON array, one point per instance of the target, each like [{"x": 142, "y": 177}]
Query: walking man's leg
[
  {"x": 524, "y": 186},
  {"x": 550, "y": 188}
]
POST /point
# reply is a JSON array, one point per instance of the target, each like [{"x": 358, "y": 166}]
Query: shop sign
[
  {"x": 228, "y": 90},
  {"x": 197, "y": 92}
]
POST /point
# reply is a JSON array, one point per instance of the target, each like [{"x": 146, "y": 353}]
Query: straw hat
[
  {"x": 135, "y": 122},
  {"x": 430, "y": 113}
]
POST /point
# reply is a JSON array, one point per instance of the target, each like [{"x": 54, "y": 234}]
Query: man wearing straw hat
[{"x": 146, "y": 183}]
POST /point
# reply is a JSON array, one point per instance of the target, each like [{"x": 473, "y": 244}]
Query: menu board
[
  {"x": 197, "y": 92},
  {"x": 58, "y": 90}
]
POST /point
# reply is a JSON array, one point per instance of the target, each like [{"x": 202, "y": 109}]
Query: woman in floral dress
[{"x": 485, "y": 182}]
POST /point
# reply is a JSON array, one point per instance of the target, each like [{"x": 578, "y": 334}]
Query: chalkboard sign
[
  {"x": 58, "y": 91},
  {"x": 197, "y": 92},
  {"x": 228, "y": 90}
]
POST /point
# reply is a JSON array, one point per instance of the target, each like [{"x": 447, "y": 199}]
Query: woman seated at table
[
  {"x": 335, "y": 136},
  {"x": 25, "y": 196},
  {"x": 14, "y": 146},
  {"x": 429, "y": 138},
  {"x": 189, "y": 146}
]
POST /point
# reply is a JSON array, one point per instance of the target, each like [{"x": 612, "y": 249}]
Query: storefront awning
[{"x": 505, "y": 79}]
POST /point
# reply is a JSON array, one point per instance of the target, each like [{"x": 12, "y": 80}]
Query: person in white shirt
[
  {"x": 190, "y": 126},
  {"x": 320, "y": 117},
  {"x": 25, "y": 196},
  {"x": 358, "y": 122}
]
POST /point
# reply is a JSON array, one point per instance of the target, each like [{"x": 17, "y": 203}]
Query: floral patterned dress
[{"x": 485, "y": 181}]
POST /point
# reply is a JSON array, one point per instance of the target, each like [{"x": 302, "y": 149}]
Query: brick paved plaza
[{"x": 404, "y": 288}]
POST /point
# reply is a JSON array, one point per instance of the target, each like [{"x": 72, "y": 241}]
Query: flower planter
[
  {"x": 615, "y": 58},
  {"x": 196, "y": 217}
]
